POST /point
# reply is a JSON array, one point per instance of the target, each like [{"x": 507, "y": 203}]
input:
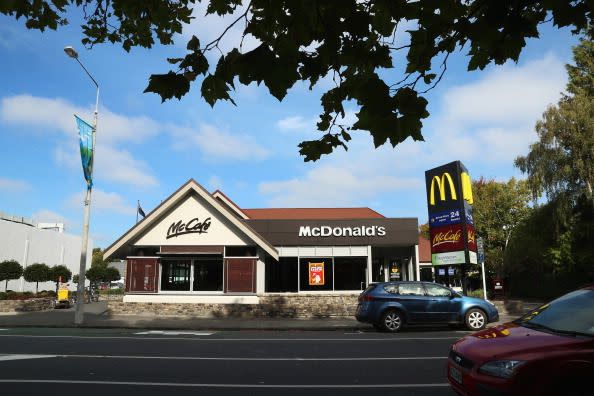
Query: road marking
[
  {"x": 386, "y": 339},
  {"x": 197, "y": 385},
  {"x": 300, "y": 359},
  {"x": 24, "y": 357},
  {"x": 156, "y": 332}
]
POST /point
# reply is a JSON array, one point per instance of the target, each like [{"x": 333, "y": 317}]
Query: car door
[
  {"x": 439, "y": 304},
  {"x": 412, "y": 297}
]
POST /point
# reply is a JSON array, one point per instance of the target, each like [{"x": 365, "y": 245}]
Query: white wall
[
  {"x": 29, "y": 245},
  {"x": 221, "y": 231}
]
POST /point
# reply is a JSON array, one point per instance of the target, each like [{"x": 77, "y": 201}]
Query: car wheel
[
  {"x": 392, "y": 321},
  {"x": 475, "y": 319}
]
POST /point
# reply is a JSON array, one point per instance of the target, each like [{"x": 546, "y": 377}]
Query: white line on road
[
  {"x": 23, "y": 357},
  {"x": 157, "y": 332},
  {"x": 387, "y": 339},
  {"x": 300, "y": 359},
  {"x": 195, "y": 385}
]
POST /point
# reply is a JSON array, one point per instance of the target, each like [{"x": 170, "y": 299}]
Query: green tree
[
  {"x": 95, "y": 275},
  {"x": 75, "y": 279},
  {"x": 37, "y": 272},
  {"x": 561, "y": 163},
  {"x": 60, "y": 271},
  {"x": 10, "y": 269},
  {"x": 351, "y": 41},
  {"x": 112, "y": 275},
  {"x": 499, "y": 207},
  {"x": 556, "y": 246},
  {"x": 97, "y": 259}
]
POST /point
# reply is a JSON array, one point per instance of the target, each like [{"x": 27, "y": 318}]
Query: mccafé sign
[
  {"x": 447, "y": 239},
  {"x": 192, "y": 226}
]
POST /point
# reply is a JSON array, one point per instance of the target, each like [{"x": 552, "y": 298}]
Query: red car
[{"x": 549, "y": 351}]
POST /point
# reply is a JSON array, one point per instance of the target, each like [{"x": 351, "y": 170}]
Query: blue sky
[{"x": 146, "y": 149}]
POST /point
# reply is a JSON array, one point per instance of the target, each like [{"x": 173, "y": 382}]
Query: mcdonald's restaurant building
[{"x": 198, "y": 247}]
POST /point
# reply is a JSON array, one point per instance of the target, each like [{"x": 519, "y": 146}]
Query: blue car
[{"x": 389, "y": 306}]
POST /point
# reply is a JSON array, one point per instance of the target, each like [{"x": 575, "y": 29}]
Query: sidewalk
[{"x": 96, "y": 317}]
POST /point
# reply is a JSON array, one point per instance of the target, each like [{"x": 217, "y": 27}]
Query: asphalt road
[{"x": 110, "y": 361}]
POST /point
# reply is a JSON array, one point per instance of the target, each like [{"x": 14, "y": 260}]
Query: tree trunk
[
  {"x": 6, "y": 286},
  {"x": 36, "y": 287}
]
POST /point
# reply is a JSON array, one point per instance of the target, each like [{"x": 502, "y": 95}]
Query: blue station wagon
[{"x": 389, "y": 306}]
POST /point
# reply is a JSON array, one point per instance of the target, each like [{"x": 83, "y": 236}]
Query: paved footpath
[{"x": 97, "y": 317}]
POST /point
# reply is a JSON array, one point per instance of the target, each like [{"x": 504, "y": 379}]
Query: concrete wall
[{"x": 29, "y": 245}]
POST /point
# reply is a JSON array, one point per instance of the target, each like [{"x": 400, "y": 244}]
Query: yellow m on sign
[{"x": 441, "y": 186}]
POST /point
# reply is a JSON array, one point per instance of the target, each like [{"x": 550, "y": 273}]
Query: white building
[{"x": 27, "y": 242}]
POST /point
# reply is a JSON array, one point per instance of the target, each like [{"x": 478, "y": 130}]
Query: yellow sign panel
[{"x": 441, "y": 187}]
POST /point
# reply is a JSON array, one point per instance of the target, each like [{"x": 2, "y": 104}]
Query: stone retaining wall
[
  {"x": 270, "y": 306},
  {"x": 33, "y": 304}
]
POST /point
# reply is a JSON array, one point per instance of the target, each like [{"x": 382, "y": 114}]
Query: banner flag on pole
[
  {"x": 85, "y": 133},
  {"x": 140, "y": 211}
]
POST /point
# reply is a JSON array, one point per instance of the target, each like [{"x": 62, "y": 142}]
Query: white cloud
[
  {"x": 490, "y": 121},
  {"x": 102, "y": 201},
  {"x": 509, "y": 94},
  {"x": 58, "y": 114},
  {"x": 47, "y": 216},
  {"x": 14, "y": 186},
  {"x": 120, "y": 166},
  {"x": 332, "y": 186},
  {"x": 218, "y": 144},
  {"x": 214, "y": 183},
  {"x": 351, "y": 178},
  {"x": 493, "y": 118},
  {"x": 294, "y": 123}
]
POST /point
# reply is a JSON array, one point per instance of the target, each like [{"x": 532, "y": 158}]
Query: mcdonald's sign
[{"x": 449, "y": 203}]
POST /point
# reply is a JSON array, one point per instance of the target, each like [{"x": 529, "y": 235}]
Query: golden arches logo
[
  {"x": 466, "y": 187},
  {"x": 441, "y": 186}
]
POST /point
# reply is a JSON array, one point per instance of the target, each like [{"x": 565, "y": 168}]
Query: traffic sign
[{"x": 480, "y": 250}]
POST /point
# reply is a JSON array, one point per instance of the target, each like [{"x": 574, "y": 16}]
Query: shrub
[
  {"x": 478, "y": 293},
  {"x": 2, "y": 295}
]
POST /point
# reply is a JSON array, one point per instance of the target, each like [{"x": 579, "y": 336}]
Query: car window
[
  {"x": 434, "y": 290},
  {"x": 370, "y": 287},
  {"x": 573, "y": 312},
  {"x": 411, "y": 289},
  {"x": 392, "y": 289}
]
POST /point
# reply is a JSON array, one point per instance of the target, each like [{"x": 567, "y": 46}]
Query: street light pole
[{"x": 80, "y": 290}]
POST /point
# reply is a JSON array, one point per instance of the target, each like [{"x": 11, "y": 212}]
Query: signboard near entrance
[{"x": 316, "y": 274}]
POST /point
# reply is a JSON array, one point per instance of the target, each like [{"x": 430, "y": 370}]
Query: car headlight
[{"x": 501, "y": 368}]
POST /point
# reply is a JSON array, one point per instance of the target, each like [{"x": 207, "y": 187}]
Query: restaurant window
[
  {"x": 281, "y": 275},
  {"x": 208, "y": 275},
  {"x": 349, "y": 273},
  {"x": 315, "y": 274},
  {"x": 175, "y": 275}
]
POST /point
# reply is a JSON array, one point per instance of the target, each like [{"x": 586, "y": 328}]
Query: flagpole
[{"x": 137, "y": 207}]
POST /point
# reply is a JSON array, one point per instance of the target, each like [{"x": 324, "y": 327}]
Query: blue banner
[
  {"x": 447, "y": 217},
  {"x": 85, "y": 134}
]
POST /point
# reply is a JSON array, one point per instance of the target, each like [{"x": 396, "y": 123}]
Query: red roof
[
  {"x": 312, "y": 213},
  {"x": 424, "y": 249}
]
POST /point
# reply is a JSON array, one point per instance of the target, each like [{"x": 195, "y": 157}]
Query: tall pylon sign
[{"x": 451, "y": 226}]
